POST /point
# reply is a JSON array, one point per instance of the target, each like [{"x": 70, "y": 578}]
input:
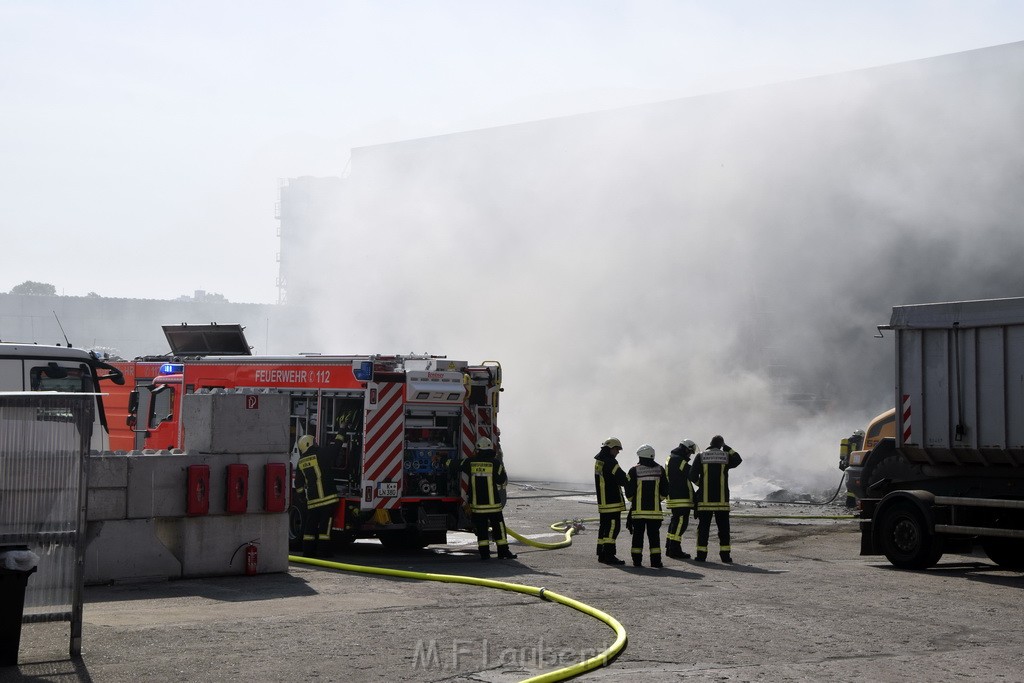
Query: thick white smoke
[{"x": 706, "y": 266}]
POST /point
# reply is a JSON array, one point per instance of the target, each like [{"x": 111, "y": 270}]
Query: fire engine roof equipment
[{"x": 207, "y": 340}]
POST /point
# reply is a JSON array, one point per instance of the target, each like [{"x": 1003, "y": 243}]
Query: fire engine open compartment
[{"x": 432, "y": 452}]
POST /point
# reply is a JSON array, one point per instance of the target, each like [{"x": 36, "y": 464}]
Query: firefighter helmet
[
  {"x": 612, "y": 442},
  {"x": 689, "y": 444},
  {"x": 646, "y": 451},
  {"x": 859, "y": 432},
  {"x": 484, "y": 444},
  {"x": 304, "y": 443}
]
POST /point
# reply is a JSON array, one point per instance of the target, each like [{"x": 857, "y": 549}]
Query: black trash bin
[{"x": 12, "y": 608}]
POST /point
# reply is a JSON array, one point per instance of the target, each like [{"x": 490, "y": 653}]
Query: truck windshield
[{"x": 53, "y": 377}]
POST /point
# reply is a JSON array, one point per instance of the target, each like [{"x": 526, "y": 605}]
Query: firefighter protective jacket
[
  {"x": 710, "y": 472},
  {"x": 486, "y": 477},
  {"x": 312, "y": 466},
  {"x": 646, "y": 486},
  {"x": 680, "y": 488},
  {"x": 608, "y": 480}
]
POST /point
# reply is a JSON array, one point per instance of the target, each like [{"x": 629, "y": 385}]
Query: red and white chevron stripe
[
  {"x": 906, "y": 418},
  {"x": 383, "y": 444}
]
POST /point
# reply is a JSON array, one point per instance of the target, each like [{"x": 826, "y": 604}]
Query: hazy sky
[{"x": 142, "y": 142}]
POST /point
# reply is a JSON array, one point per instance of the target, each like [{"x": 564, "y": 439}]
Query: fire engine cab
[{"x": 395, "y": 428}]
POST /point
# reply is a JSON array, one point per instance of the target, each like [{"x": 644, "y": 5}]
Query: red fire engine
[{"x": 395, "y": 427}]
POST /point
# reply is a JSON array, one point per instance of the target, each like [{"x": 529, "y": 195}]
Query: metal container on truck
[{"x": 953, "y": 475}]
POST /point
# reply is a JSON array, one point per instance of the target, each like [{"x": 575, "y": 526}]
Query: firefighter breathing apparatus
[{"x": 602, "y": 659}]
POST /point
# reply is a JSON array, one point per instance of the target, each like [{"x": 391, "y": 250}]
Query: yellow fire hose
[
  {"x": 568, "y": 526},
  {"x": 602, "y": 659}
]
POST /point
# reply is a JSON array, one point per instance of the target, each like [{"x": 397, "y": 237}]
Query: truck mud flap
[{"x": 867, "y": 540}]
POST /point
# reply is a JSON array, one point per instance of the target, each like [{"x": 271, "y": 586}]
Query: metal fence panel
[{"x": 44, "y": 443}]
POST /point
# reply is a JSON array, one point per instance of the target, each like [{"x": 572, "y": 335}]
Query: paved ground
[{"x": 799, "y": 604}]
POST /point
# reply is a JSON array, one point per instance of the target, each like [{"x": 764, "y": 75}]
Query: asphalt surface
[{"x": 799, "y": 604}]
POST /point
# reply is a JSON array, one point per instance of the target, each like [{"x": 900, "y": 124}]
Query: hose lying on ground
[
  {"x": 602, "y": 659},
  {"x": 569, "y": 527}
]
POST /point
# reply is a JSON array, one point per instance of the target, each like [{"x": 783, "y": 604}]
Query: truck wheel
[
  {"x": 905, "y": 538},
  {"x": 295, "y": 519},
  {"x": 887, "y": 470},
  {"x": 1008, "y": 553}
]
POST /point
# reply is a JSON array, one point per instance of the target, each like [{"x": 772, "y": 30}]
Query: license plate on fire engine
[{"x": 387, "y": 489}]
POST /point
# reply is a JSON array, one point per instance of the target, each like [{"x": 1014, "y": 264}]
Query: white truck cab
[{"x": 40, "y": 367}]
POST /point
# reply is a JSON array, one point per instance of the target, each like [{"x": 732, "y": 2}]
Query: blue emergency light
[
  {"x": 172, "y": 368},
  {"x": 364, "y": 372}
]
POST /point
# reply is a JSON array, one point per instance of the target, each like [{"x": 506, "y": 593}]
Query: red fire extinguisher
[{"x": 251, "y": 557}]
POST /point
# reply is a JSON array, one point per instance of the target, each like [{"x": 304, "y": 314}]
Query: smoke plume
[{"x": 713, "y": 265}]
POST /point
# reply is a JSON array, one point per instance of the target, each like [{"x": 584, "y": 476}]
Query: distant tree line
[
  {"x": 35, "y": 288},
  {"x": 46, "y": 289}
]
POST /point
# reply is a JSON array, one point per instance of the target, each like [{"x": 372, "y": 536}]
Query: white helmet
[
  {"x": 305, "y": 442},
  {"x": 484, "y": 444},
  {"x": 612, "y": 442},
  {"x": 687, "y": 443},
  {"x": 645, "y": 451}
]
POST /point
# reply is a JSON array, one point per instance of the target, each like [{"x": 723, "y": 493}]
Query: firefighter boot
[
  {"x": 672, "y": 549},
  {"x": 485, "y": 553},
  {"x": 701, "y": 555},
  {"x": 505, "y": 554},
  {"x": 678, "y": 553},
  {"x": 608, "y": 556},
  {"x": 638, "y": 559},
  {"x": 727, "y": 558},
  {"x": 656, "y": 561}
]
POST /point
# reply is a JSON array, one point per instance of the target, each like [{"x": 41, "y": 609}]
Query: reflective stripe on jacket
[
  {"x": 710, "y": 473},
  {"x": 486, "y": 477},
  {"x": 318, "y": 493},
  {"x": 608, "y": 481},
  {"x": 646, "y": 486},
  {"x": 680, "y": 488}
]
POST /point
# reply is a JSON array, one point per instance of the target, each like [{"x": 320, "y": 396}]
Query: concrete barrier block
[
  {"x": 107, "y": 504},
  {"x": 215, "y": 546},
  {"x": 108, "y": 471},
  {"x": 156, "y": 485},
  {"x": 127, "y": 550},
  {"x": 235, "y": 423}
]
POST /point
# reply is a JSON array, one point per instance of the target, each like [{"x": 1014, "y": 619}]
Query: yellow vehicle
[{"x": 881, "y": 427}]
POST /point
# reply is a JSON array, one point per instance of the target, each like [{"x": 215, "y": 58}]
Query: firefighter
[
  {"x": 646, "y": 486},
  {"x": 680, "y": 497},
  {"x": 710, "y": 473},
  {"x": 609, "y": 479},
  {"x": 487, "y": 479},
  {"x": 321, "y": 496},
  {"x": 847, "y": 446}
]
